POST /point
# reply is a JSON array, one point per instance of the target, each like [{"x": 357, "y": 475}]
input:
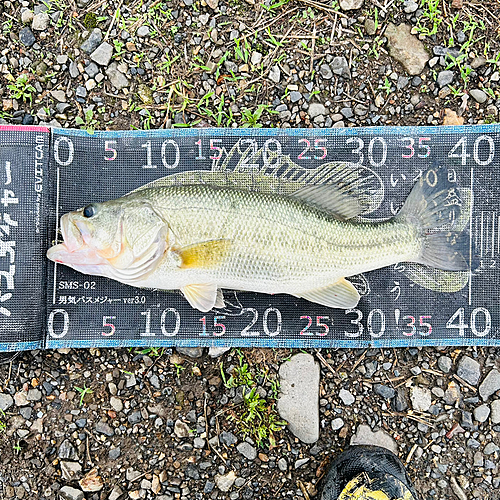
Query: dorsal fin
[
  {"x": 272, "y": 172},
  {"x": 331, "y": 199}
]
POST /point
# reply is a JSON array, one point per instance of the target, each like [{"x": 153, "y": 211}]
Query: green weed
[
  {"x": 257, "y": 418},
  {"x": 250, "y": 118},
  {"x": 151, "y": 351},
  {"x": 3, "y": 425},
  {"x": 84, "y": 392},
  {"x": 241, "y": 375},
  {"x": 22, "y": 89},
  {"x": 89, "y": 123},
  {"x": 275, "y": 6},
  {"x": 386, "y": 86},
  {"x": 428, "y": 24},
  {"x": 178, "y": 369}
]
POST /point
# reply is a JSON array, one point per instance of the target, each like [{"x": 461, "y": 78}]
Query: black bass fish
[{"x": 204, "y": 233}]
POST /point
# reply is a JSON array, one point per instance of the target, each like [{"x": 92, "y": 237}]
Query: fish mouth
[{"x": 73, "y": 251}]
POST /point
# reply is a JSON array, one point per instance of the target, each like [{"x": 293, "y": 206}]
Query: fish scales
[{"x": 278, "y": 241}]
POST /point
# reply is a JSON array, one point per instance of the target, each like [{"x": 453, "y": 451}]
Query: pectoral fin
[
  {"x": 203, "y": 296},
  {"x": 341, "y": 295},
  {"x": 205, "y": 255}
]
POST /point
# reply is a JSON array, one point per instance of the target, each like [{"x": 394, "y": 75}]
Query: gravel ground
[
  {"x": 169, "y": 426},
  {"x": 116, "y": 424}
]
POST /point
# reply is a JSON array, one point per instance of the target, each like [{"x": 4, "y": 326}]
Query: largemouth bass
[{"x": 201, "y": 237}]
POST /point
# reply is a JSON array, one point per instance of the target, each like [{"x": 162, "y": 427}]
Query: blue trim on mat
[
  {"x": 288, "y": 132},
  {"x": 19, "y": 346},
  {"x": 270, "y": 343}
]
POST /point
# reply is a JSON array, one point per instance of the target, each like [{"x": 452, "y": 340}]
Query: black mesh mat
[{"x": 44, "y": 174}]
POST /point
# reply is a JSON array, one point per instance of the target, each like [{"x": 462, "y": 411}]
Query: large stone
[
  {"x": 316, "y": 109},
  {"x": 70, "y": 470},
  {"x": 247, "y": 450},
  {"x": 351, "y": 4},
  {"x": 490, "y": 385},
  {"x": 40, "y": 21},
  {"x": 469, "y": 370},
  {"x": 6, "y": 401},
  {"x": 181, "y": 429},
  {"x": 406, "y": 48},
  {"x": 346, "y": 397},
  {"x": 495, "y": 412},
  {"x": 481, "y": 413},
  {"x": 340, "y": 67},
  {"x": 102, "y": 55},
  {"x": 384, "y": 391},
  {"x": 298, "y": 401},
  {"x": 67, "y": 451},
  {"x": 444, "y": 364},
  {"x": 92, "y": 42},
  {"x": 117, "y": 78},
  {"x": 69, "y": 493},
  {"x": 192, "y": 352},
  {"x": 445, "y": 78},
  {"x": 26, "y": 36},
  {"x": 215, "y": 352},
  {"x": 479, "y": 95},
  {"x": 275, "y": 74},
  {"x": 364, "y": 435},
  {"x": 421, "y": 398},
  {"x": 225, "y": 482}
]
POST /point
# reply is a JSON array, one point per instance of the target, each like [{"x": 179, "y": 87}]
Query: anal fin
[
  {"x": 340, "y": 295},
  {"x": 219, "y": 301},
  {"x": 201, "y": 296}
]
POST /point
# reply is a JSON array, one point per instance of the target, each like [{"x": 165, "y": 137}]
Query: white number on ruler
[
  {"x": 246, "y": 331},
  {"x": 491, "y": 151},
  {"x": 357, "y": 151},
  {"x": 277, "y": 330},
  {"x": 164, "y": 153},
  {"x": 147, "y": 331},
  {"x": 249, "y": 153},
  {"x": 370, "y": 322},
  {"x": 50, "y": 323},
  {"x": 177, "y": 316},
  {"x": 70, "y": 153},
  {"x": 383, "y": 157},
  {"x": 461, "y": 326},
  {"x": 268, "y": 150},
  {"x": 459, "y": 150},
  {"x": 357, "y": 322},
  {"x": 147, "y": 147}
]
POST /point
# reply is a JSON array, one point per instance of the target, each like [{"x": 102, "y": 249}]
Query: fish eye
[{"x": 89, "y": 211}]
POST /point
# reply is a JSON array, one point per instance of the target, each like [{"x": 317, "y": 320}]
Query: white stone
[
  {"x": 495, "y": 412},
  {"x": 116, "y": 403},
  {"x": 351, "y": 4},
  {"x": 490, "y": 384},
  {"x": 364, "y": 435},
  {"x": 256, "y": 58},
  {"x": 346, "y": 397},
  {"x": 224, "y": 483},
  {"x": 27, "y": 16},
  {"x": 421, "y": 398},
  {"x": 181, "y": 429},
  {"x": 298, "y": 401},
  {"x": 275, "y": 74},
  {"x": 40, "y": 21}
]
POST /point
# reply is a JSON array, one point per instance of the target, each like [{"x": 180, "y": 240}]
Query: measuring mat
[{"x": 45, "y": 173}]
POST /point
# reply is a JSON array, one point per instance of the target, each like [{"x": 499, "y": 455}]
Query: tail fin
[{"x": 433, "y": 206}]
